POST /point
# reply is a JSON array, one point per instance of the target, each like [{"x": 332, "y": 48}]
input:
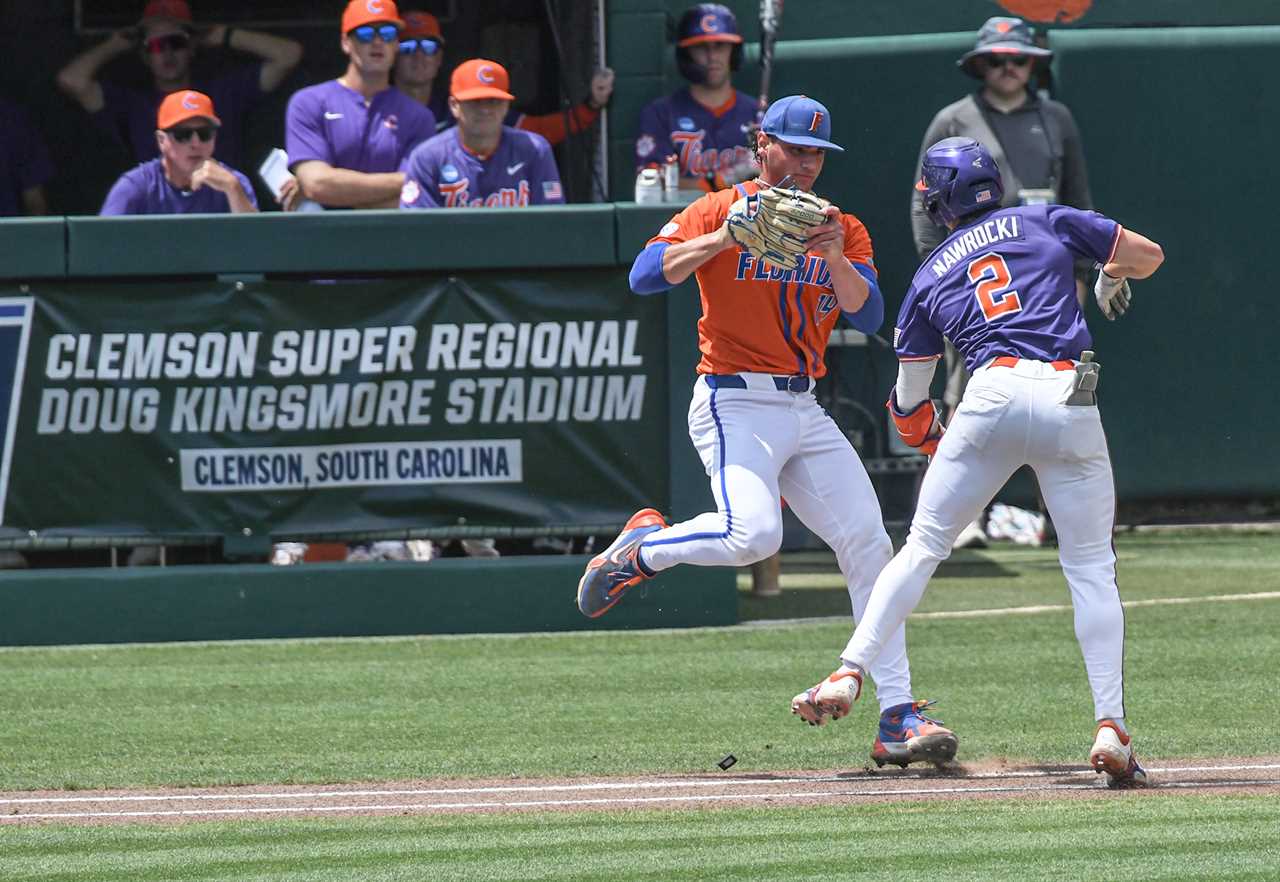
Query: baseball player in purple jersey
[
  {"x": 167, "y": 40},
  {"x": 704, "y": 125},
  {"x": 1001, "y": 288},
  {"x": 347, "y": 138},
  {"x": 185, "y": 178},
  {"x": 481, "y": 162}
]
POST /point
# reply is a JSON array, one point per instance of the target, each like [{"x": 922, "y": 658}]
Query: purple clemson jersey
[
  {"x": 707, "y": 141},
  {"x": 442, "y": 173},
  {"x": 334, "y": 124},
  {"x": 1003, "y": 285},
  {"x": 145, "y": 190}
]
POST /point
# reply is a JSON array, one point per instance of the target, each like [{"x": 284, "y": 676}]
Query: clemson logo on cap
[
  {"x": 708, "y": 23},
  {"x": 191, "y": 101},
  {"x": 484, "y": 73},
  {"x": 1002, "y": 27},
  {"x": 816, "y": 121},
  {"x": 374, "y": 6}
]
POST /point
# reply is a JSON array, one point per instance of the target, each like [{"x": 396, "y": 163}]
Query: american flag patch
[{"x": 551, "y": 190}]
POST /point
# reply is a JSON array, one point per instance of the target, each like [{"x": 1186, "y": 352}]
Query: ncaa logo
[
  {"x": 484, "y": 74},
  {"x": 191, "y": 101},
  {"x": 685, "y": 124},
  {"x": 15, "y": 331},
  {"x": 374, "y": 6},
  {"x": 448, "y": 173}
]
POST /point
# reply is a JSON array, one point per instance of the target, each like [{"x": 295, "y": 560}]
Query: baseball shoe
[
  {"x": 907, "y": 736},
  {"x": 617, "y": 569},
  {"x": 833, "y": 698},
  {"x": 1113, "y": 753}
]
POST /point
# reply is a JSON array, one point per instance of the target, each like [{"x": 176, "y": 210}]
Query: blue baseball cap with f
[{"x": 798, "y": 119}]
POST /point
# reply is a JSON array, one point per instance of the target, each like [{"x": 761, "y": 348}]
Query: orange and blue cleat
[
  {"x": 617, "y": 569},
  {"x": 907, "y": 736},
  {"x": 1113, "y": 753}
]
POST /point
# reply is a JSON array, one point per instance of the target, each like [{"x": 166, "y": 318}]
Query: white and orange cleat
[
  {"x": 1113, "y": 753},
  {"x": 832, "y": 698}
]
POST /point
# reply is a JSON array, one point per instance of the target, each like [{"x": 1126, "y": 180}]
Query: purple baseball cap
[{"x": 798, "y": 119}]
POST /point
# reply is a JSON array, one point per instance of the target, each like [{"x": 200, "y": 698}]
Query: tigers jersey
[
  {"x": 708, "y": 143},
  {"x": 1005, "y": 285},
  {"x": 757, "y": 317}
]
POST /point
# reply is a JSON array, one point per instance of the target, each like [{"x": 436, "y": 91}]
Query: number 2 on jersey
[{"x": 991, "y": 279}]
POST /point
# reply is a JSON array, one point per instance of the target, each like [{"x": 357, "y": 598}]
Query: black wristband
[{"x": 226, "y": 37}]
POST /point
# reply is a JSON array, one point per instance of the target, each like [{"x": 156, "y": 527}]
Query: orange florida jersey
[{"x": 755, "y": 316}]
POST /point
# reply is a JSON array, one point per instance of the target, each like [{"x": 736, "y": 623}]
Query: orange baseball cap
[
  {"x": 363, "y": 12},
  {"x": 178, "y": 107},
  {"x": 480, "y": 78},
  {"x": 421, "y": 24},
  {"x": 172, "y": 10}
]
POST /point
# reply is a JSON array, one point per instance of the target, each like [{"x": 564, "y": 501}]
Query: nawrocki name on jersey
[{"x": 993, "y": 231}]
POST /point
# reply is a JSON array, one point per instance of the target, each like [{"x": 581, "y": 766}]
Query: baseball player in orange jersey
[{"x": 753, "y": 418}]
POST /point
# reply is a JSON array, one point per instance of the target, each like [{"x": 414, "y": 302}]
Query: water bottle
[{"x": 648, "y": 186}]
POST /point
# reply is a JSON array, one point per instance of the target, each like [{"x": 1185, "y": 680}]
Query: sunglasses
[
  {"x": 168, "y": 43},
  {"x": 204, "y": 133},
  {"x": 424, "y": 44},
  {"x": 365, "y": 33},
  {"x": 994, "y": 61}
]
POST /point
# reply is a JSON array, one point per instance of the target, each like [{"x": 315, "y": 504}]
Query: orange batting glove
[{"x": 921, "y": 428}]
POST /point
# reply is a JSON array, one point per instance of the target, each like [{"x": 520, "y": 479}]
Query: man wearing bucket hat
[
  {"x": 185, "y": 178},
  {"x": 481, "y": 162},
  {"x": 346, "y": 138},
  {"x": 167, "y": 39},
  {"x": 754, "y": 420},
  {"x": 1033, "y": 139}
]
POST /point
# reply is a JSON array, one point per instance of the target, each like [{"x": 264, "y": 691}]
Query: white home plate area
[{"x": 967, "y": 781}]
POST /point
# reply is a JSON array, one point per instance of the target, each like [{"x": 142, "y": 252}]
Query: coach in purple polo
[
  {"x": 185, "y": 179},
  {"x": 346, "y": 138},
  {"x": 481, "y": 162}
]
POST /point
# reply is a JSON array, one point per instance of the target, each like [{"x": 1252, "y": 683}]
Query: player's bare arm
[
  {"x": 1136, "y": 257},
  {"x": 682, "y": 259},
  {"x": 827, "y": 241},
  {"x": 344, "y": 188}
]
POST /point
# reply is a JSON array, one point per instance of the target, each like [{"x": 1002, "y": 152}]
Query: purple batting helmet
[
  {"x": 706, "y": 23},
  {"x": 958, "y": 178}
]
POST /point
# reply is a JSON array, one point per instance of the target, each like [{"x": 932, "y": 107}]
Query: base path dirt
[{"x": 1259, "y": 775}]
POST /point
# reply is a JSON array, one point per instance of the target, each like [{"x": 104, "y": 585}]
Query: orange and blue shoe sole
[{"x": 641, "y": 524}]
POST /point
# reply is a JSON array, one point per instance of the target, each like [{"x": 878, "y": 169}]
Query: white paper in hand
[{"x": 274, "y": 171}]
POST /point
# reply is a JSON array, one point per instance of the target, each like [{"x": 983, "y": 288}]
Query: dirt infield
[{"x": 967, "y": 781}]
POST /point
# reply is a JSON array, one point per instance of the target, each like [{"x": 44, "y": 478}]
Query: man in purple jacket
[
  {"x": 481, "y": 162},
  {"x": 185, "y": 179},
  {"x": 24, "y": 164},
  {"x": 346, "y": 138},
  {"x": 166, "y": 39}
]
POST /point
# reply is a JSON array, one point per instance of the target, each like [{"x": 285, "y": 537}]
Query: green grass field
[{"x": 1200, "y": 683}]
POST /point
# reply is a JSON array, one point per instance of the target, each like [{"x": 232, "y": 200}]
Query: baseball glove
[{"x": 772, "y": 224}]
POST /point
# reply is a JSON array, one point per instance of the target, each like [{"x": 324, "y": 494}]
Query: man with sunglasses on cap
[
  {"x": 481, "y": 162},
  {"x": 705, "y": 124},
  {"x": 185, "y": 178},
  {"x": 1035, "y": 142},
  {"x": 347, "y": 138},
  {"x": 167, "y": 39},
  {"x": 421, "y": 54}
]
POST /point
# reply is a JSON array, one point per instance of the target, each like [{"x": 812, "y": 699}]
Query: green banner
[{"x": 285, "y": 408}]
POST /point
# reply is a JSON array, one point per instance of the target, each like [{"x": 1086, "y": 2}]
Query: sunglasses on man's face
[
  {"x": 168, "y": 43},
  {"x": 994, "y": 61},
  {"x": 365, "y": 33},
  {"x": 183, "y": 135},
  {"x": 423, "y": 44}
]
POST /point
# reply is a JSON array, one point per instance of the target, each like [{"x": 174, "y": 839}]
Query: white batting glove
[{"x": 1113, "y": 295}]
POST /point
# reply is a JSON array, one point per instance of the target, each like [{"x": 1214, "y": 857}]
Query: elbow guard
[{"x": 921, "y": 428}]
